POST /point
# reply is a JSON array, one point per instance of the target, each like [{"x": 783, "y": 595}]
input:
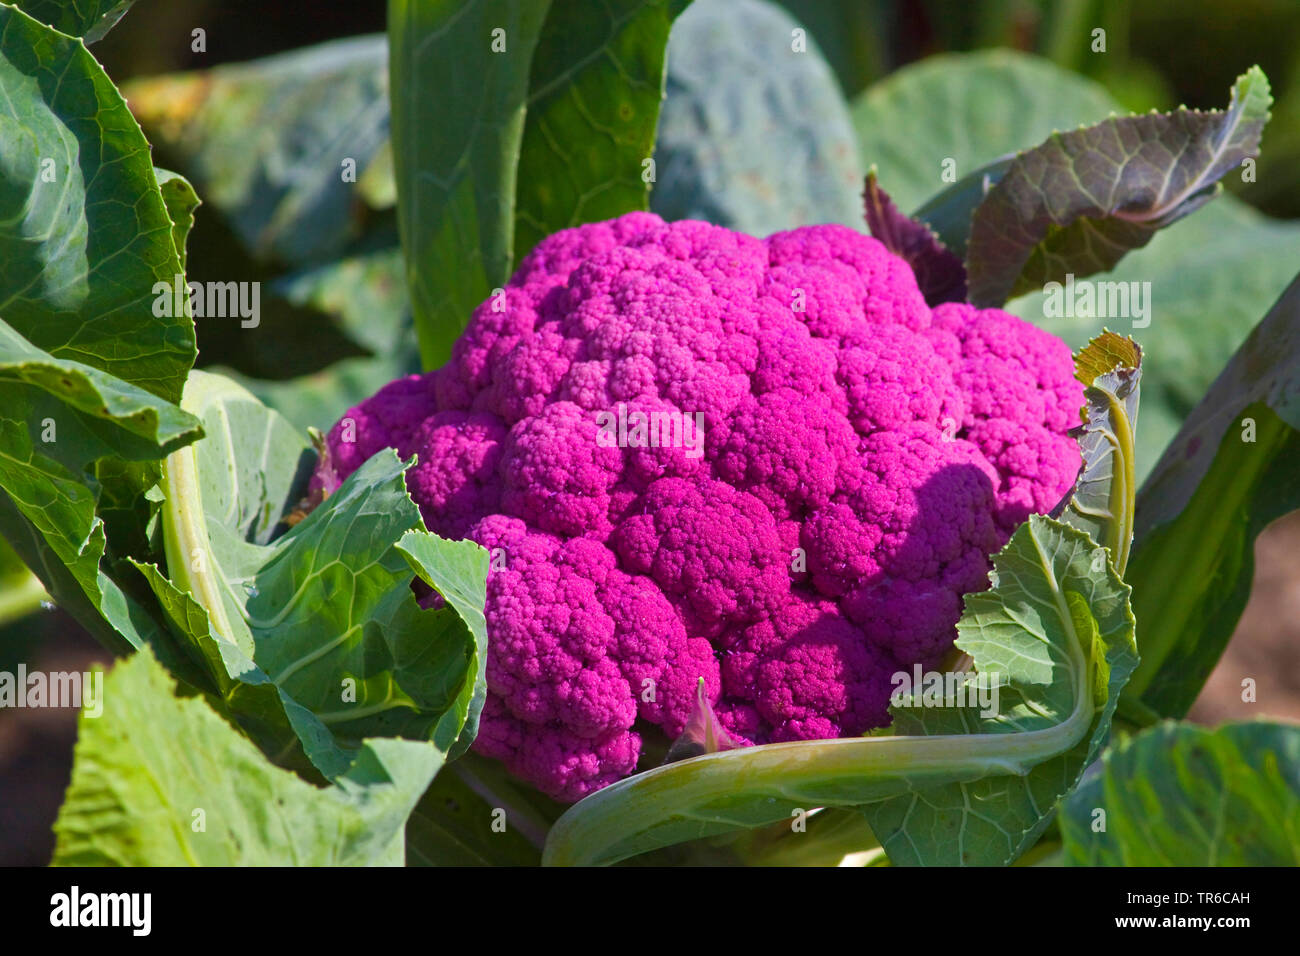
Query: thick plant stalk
[
  {"x": 1103, "y": 501},
  {"x": 185, "y": 539}
]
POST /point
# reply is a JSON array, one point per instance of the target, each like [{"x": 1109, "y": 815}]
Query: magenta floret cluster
[{"x": 862, "y": 456}]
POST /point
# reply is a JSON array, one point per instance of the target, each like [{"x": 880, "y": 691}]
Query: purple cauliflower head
[{"x": 696, "y": 454}]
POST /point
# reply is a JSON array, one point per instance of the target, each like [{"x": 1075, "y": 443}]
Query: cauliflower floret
[
  {"x": 1021, "y": 400},
  {"x": 859, "y": 458},
  {"x": 713, "y": 548}
]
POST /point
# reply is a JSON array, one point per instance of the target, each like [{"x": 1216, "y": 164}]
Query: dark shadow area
[{"x": 36, "y": 744}]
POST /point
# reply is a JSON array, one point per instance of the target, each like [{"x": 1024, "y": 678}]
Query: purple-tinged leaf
[
  {"x": 703, "y": 733},
  {"x": 1080, "y": 201},
  {"x": 939, "y": 273}
]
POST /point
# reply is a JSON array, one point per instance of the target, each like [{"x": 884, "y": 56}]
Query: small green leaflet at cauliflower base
[{"x": 861, "y": 456}]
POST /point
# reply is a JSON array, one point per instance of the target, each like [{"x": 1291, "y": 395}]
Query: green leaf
[
  {"x": 84, "y": 232},
  {"x": 181, "y": 200},
  {"x": 325, "y": 611},
  {"x": 57, "y": 418},
  {"x": 310, "y": 188},
  {"x": 1077, "y": 203},
  {"x": 277, "y": 145},
  {"x": 88, "y": 19},
  {"x": 1049, "y": 616},
  {"x": 1102, "y": 502},
  {"x": 1056, "y": 632},
  {"x": 476, "y": 814},
  {"x": 1227, "y": 474},
  {"x": 97, "y": 602},
  {"x": 153, "y": 765},
  {"x": 948, "y": 214},
  {"x": 318, "y": 399},
  {"x": 253, "y": 464},
  {"x": 971, "y": 108},
  {"x": 456, "y": 189},
  {"x": 290, "y": 734},
  {"x": 1179, "y": 795},
  {"x": 103, "y": 403},
  {"x": 753, "y": 134},
  {"x": 1211, "y": 275},
  {"x": 457, "y": 570},
  {"x": 365, "y": 295},
  {"x": 593, "y": 104}
]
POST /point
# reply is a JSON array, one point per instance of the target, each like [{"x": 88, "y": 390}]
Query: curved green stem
[
  {"x": 1123, "y": 489},
  {"x": 185, "y": 539},
  {"x": 775, "y": 778}
]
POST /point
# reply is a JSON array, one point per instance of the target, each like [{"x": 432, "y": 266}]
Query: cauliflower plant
[{"x": 858, "y": 458}]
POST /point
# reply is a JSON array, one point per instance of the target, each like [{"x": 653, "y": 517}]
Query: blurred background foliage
[
  {"x": 1159, "y": 53},
  {"x": 334, "y": 310},
  {"x": 261, "y": 140}
]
